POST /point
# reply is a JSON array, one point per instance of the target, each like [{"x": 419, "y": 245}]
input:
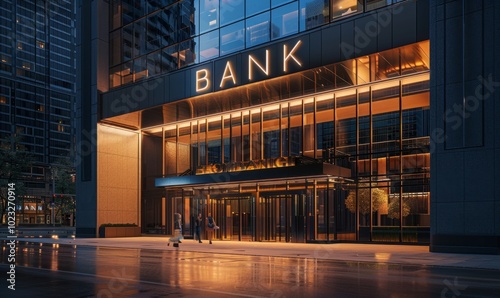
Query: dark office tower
[
  {"x": 37, "y": 92},
  {"x": 465, "y": 126}
]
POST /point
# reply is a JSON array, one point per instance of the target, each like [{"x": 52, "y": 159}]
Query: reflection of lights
[
  {"x": 382, "y": 256},
  {"x": 55, "y": 237}
]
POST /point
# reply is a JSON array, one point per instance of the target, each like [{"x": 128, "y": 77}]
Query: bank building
[{"x": 312, "y": 121}]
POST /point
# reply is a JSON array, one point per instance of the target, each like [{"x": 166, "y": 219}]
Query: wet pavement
[{"x": 147, "y": 267}]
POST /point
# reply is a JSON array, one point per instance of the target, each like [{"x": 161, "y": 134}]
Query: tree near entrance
[
  {"x": 64, "y": 187},
  {"x": 393, "y": 210},
  {"x": 378, "y": 197},
  {"x": 14, "y": 161}
]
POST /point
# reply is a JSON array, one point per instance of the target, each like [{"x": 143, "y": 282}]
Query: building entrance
[
  {"x": 277, "y": 217},
  {"x": 282, "y": 217},
  {"x": 235, "y": 217}
]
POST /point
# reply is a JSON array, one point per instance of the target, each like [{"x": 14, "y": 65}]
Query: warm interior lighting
[
  {"x": 415, "y": 79},
  {"x": 322, "y": 97},
  {"x": 270, "y": 108},
  {"x": 385, "y": 84}
]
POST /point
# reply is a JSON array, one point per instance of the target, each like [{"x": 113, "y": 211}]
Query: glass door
[
  {"x": 269, "y": 215},
  {"x": 282, "y": 217},
  {"x": 234, "y": 217}
]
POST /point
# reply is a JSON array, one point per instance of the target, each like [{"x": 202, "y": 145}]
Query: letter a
[{"x": 227, "y": 76}]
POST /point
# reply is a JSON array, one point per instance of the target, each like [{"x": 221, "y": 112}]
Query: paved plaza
[{"x": 380, "y": 253}]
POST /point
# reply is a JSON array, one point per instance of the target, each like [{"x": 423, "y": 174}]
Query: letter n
[{"x": 264, "y": 70}]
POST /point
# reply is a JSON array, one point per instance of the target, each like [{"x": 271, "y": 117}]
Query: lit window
[
  {"x": 5, "y": 59},
  {"x": 26, "y": 65},
  {"x": 60, "y": 127},
  {"x": 40, "y": 44},
  {"x": 342, "y": 8}
]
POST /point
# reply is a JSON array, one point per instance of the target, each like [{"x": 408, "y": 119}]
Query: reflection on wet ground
[{"x": 49, "y": 270}]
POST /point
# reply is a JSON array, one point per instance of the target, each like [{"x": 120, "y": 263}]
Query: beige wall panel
[{"x": 118, "y": 181}]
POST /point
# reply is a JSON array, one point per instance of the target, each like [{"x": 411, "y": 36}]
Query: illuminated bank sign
[
  {"x": 238, "y": 166},
  {"x": 252, "y": 66}
]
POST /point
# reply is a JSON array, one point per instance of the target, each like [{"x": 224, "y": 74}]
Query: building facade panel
[{"x": 466, "y": 127}]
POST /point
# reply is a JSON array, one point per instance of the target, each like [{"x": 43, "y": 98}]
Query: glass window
[
  {"x": 256, "y": 6},
  {"x": 127, "y": 40},
  {"x": 209, "y": 45},
  {"x": 154, "y": 32},
  {"x": 127, "y": 75},
  {"x": 345, "y": 74},
  {"x": 168, "y": 27},
  {"x": 275, "y": 3},
  {"x": 257, "y": 29},
  {"x": 386, "y": 127},
  {"x": 153, "y": 5},
  {"x": 231, "y": 11},
  {"x": 232, "y": 38},
  {"x": 342, "y": 8},
  {"x": 116, "y": 18},
  {"x": 128, "y": 12},
  {"x": 187, "y": 20},
  {"x": 140, "y": 68},
  {"x": 139, "y": 38},
  {"x": 154, "y": 63},
  {"x": 187, "y": 53},
  {"x": 325, "y": 133},
  {"x": 115, "y": 76},
  {"x": 285, "y": 20},
  {"x": 373, "y": 4},
  {"x": 313, "y": 13},
  {"x": 169, "y": 59},
  {"x": 114, "y": 48},
  {"x": 209, "y": 15}
]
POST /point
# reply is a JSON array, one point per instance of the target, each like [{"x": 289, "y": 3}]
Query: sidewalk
[{"x": 352, "y": 252}]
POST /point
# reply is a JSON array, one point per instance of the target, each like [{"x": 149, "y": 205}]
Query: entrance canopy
[{"x": 284, "y": 173}]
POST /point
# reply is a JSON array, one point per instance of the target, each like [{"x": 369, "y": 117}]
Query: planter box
[{"x": 110, "y": 232}]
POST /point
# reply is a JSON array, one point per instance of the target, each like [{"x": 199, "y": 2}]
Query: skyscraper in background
[{"x": 37, "y": 92}]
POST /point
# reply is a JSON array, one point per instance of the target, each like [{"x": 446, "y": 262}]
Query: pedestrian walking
[
  {"x": 211, "y": 227},
  {"x": 176, "y": 239},
  {"x": 198, "y": 222}
]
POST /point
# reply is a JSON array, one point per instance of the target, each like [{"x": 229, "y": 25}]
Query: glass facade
[
  {"x": 148, "y": 38},
  {"x": 368, "y": 116}
]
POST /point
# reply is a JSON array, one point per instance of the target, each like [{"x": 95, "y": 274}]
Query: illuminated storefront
[
  {"x": 315, "y": 135},
  {"x": 256, "y": 169}
]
